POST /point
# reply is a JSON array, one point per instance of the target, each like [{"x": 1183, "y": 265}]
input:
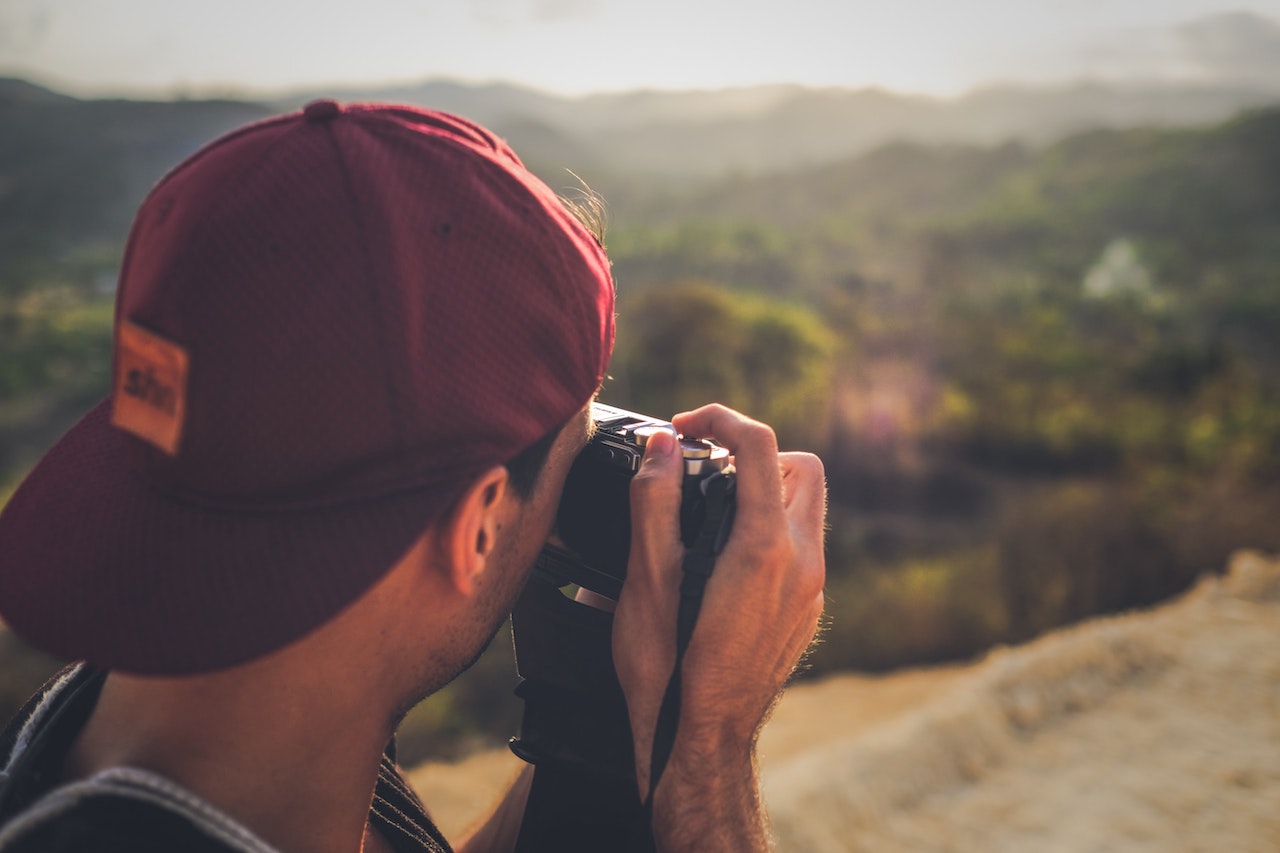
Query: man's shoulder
[{"x": 105, "y": 822}]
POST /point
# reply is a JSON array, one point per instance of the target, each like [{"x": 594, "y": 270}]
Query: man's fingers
[
  {"x": 804, "y": 491},
  {"x": 807, "y": 630},
  {"x": 655, "y": 503},
  {"x": 755, "y": 450}
]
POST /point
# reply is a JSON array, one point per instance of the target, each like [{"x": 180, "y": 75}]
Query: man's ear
[{"x": 471, "y": 533}]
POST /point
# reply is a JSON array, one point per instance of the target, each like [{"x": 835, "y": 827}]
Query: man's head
[
  {"x": 446, "y": 598},
  {"x": 329, "y": 325}
]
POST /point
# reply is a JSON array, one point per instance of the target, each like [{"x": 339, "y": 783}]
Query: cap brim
[{"x": 97, "y": 564}]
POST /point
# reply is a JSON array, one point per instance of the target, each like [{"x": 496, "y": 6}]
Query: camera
[{"x": 592, "y": 537}]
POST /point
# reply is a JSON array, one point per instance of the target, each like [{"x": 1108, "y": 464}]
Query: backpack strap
[
  {"x": 36, "y": 813},
  {"x": 126, "y": 809},
  {"x": 36, "y": 742}
]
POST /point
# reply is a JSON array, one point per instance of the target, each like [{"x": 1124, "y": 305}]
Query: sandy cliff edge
[{"x": 1154, "y": 730}]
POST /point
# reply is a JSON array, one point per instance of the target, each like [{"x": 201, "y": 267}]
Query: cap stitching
[{"x": 377, "y": 304}]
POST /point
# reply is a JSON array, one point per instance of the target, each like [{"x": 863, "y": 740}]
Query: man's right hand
[{"x": 759, "y": 614}]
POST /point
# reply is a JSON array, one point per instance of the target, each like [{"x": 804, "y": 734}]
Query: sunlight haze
[{"x": 163, "y": 47}]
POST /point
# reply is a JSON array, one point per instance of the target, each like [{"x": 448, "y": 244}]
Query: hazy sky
[{"x": 576, "y": 46}]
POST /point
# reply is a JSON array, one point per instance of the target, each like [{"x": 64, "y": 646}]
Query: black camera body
[
  {"x": 593, "y": 523},
  {"x": 576, "y": 727}
]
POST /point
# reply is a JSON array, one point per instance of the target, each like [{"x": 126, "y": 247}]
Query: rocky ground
[{"x": 1157, "y": 730}]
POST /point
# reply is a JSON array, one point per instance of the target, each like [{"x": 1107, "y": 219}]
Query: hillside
[
  {"x": 693, "y": 135},
  {"x": 1154, "y": 730},
  {"x": 1044, "y": 378},
  {"x": 1150, "y": 731}
]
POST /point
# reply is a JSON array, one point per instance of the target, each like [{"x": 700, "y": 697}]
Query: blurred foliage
[
  {"x": 55, "y": 361},
  {"x": 915, "y": 610},
  {"x": 1056, "y": 387},
  {"x": 684, "y": 345},
  {"x": 1045, "y": 383}
]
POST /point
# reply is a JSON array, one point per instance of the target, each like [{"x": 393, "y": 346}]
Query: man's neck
[{"x": 295, "y": 762}]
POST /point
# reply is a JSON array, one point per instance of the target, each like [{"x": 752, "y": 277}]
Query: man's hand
[{"x": 759, "y": 613}]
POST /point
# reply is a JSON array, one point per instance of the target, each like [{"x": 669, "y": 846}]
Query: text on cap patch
[{"x": 150, "y": 387}]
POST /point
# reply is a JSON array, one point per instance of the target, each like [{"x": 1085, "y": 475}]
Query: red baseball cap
[{"x": 328, "y": 324}]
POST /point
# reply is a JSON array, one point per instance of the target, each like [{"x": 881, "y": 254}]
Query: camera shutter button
[
  {"x": 642, "y": 433},
  {"x": 695, "y": 448},
  {"x": 702, "y": 457}
]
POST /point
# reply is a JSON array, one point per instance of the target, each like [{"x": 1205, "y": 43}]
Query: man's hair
[
  {"x": 588, "y": 207},
  {"x": 523, "y": 468}
]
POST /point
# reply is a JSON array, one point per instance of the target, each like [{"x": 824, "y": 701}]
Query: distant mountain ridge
[
  {"x": 693, "y": 135},
  {"x": 73, "y": 171},
  {"x": 776, "y": 128}
]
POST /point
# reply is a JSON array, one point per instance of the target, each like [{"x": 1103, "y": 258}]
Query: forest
[
  {"x": 1044, "y": 382},
  {"x": 1044, "y": 379}
]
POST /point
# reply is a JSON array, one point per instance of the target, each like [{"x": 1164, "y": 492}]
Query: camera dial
[{"x": 701, "y": 457}]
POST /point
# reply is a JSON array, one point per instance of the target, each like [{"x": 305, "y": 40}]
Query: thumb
[{"x": 655, "y": 501}]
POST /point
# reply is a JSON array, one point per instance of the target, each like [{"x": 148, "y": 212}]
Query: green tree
[{"x": 693, "y": 342}]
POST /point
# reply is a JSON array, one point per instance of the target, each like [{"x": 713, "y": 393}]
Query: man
[{"x": 355, "y": 349}]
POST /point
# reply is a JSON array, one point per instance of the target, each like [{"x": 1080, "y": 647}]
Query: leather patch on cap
[{"x": 151, "y": 387}]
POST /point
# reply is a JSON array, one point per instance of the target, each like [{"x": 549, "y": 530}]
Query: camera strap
[
  {"x": 699, "y": 560},
  {"x": 575, "y": 728}
]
